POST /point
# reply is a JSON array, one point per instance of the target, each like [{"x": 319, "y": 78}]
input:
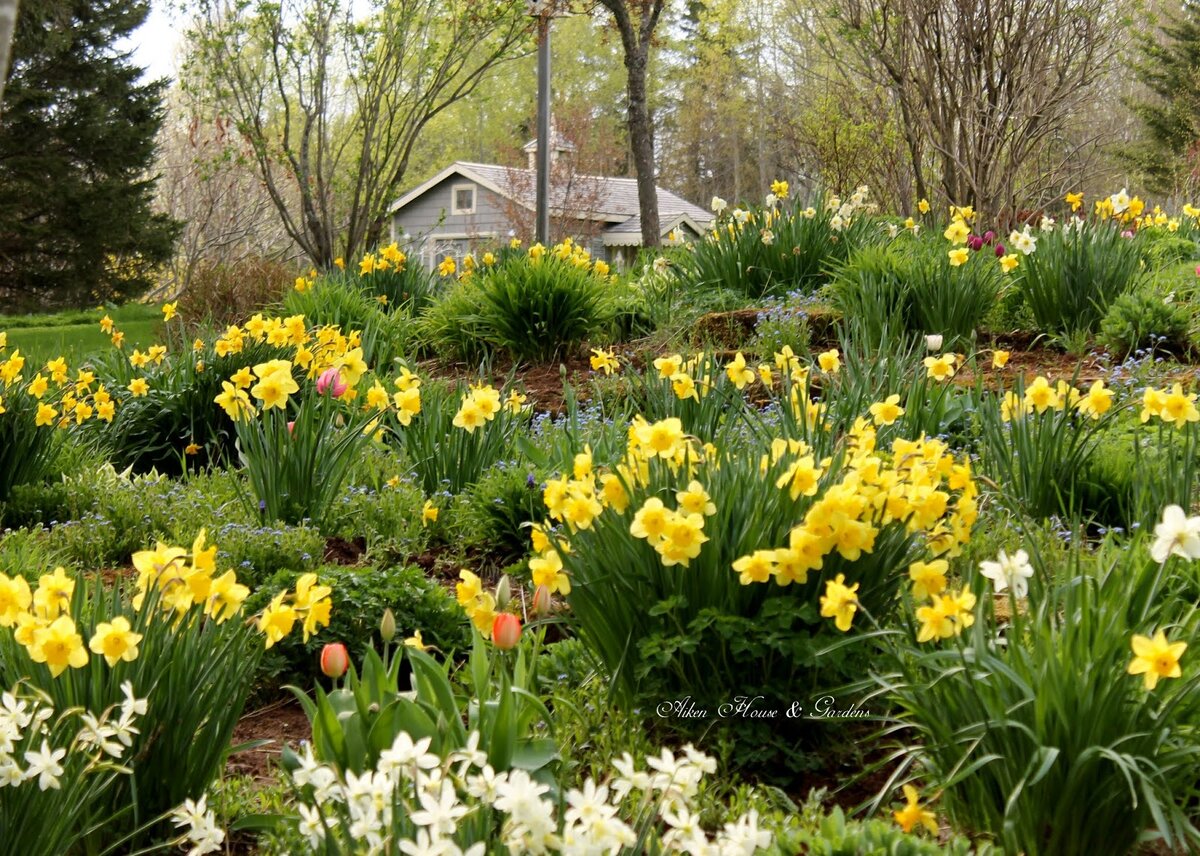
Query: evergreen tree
[
  {"x": 1169, "y": 155},
  {"x": 76, "y": 143}
]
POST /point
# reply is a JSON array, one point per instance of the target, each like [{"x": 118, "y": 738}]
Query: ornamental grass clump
[
  {"x": 714, "y": 571},
  {"x": 177, "y": 635}
]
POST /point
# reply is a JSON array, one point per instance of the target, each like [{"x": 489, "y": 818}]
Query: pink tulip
[
  {"x": 331, "y": 379},
  {"x": 989, "y": 236},
  {"x": 1128, "y": 233},
  {"x": 506, "y": 631},
  {"x": 291, "y": 425},
  {"x": 335, "y": 660}
]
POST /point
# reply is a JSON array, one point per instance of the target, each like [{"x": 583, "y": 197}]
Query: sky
[{"x": 154, "y": 43}]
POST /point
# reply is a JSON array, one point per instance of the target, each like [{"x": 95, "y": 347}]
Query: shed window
[{"x": 462, "y": 200}]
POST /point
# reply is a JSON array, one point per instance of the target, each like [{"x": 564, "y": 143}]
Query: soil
[
  {"x": 282, "y": 723},
  {"x": 339, "y": 551},
  {"x": 543, "y": 383}
]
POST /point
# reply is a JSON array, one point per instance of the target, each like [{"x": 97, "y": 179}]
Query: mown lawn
[{"x": 77, "y": 335}]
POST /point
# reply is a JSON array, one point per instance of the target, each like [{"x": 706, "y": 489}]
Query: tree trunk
[
  {"x": 641, "y": 139},
  {"x": 8, "y": 23}
]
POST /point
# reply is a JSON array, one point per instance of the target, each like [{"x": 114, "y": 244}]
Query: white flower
[
  {"x": 809, "y": 213},
  {"x": 1008, "y": 571},
  {"x": 441, "y": 815},
  {"x": 1176, "y": 535},
  {"x": 741, "y": 215},
  {"x": 44, "y": 765},
  {"x": 1119, "y": 201},
  {"x": 589, "y": 805},
  {"x": 132, "y": 705},
  {"x": 892, "y": 230},
  {"x": 1023, "y": 242},
  {"x": 10, "y": 773},
  {"x": 837, "y": 223},
  {"x": 15, "y": 711},
  {"x": 933, "y": 342},
  {"x": 772, "y": 200},
  {"x": 718, "y": 204},
  {"x": 1047, "y": 224},
  {"x": 744, "y": 836},
  {"x": 98, "y": 734},
  {"x": 661, "y": 264},
  {"x": 469, "y": 756},
  {"x": 311, "y": 825},
  {"x": 484, "y": 786},
  {"x": 768, "y": 237},
  {"x": 405, "y": 752}
]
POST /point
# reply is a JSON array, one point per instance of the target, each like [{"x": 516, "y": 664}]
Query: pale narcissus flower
[
  {"x": 1009, "y": 572},
  {"x": 1176, "y": 535}
]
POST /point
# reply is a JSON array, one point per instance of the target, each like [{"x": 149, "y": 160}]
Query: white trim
[
  {"x": 454, "y": 189},
  {"x": 457, "y": 168}
]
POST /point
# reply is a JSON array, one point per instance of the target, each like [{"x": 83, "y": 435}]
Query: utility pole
[{"x": 544, "y": 10}]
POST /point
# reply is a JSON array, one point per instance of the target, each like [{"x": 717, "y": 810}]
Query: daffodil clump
[
  {"x": 43, "y": 622},
  {"x": 651, "y": 549},
  {"x": 782, "y": 243}
]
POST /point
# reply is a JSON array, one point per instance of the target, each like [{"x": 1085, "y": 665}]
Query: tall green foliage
[{"x": 76, "y": 141}]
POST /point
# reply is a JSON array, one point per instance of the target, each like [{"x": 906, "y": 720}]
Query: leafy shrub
[
  {"x": 871, "y": 292},
  {"x": 1076, "y": 273},
  {"x": 1161, "y": 247},
  {"x": 153, "y": 431},
  {"x": 500, "y": 508},
  {"x": 220, "y": 292},
  {"x": 407, "y": 290},
  {"x": 1143, "y": 320},
  {"x": 771, "y": 251},
  {"x": 447, "y": 458},
  {"x": 837, "y": 836},
  {"x": 452, "y": 327}
]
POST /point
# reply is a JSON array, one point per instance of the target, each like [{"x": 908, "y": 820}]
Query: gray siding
[{"x": 429, "y": 216}]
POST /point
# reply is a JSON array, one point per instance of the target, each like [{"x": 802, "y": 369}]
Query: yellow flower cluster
[
  {"x": 60, "y": 400},
  {"x": 388, "y": 258},
  {"x": 478, "y": 407},
  {"x": 1173, "y": 406},
  {"x": 912, "y": 486},
  {"x": 316, "y": 351},
  {"x": 1041, "y": 396},
  {"x": 479, "y": 605}
]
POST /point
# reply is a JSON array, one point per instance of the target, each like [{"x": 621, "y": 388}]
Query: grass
[{"x": 76, "y": 334}]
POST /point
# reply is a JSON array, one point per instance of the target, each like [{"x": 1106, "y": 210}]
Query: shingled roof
[{"x": 616, "y": 199}]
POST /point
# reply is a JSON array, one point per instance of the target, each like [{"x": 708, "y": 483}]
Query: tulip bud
[
  {"x": 989, "y": 236},
  {"x": 335, "y": 660},
  {"x": 503, "y": 592},
  {"x": 934, "y": 342},
  {"x": 331, "y": 380},
  {"x": 506, "y": 631},
  {"x": 387, "y": 626},
  {"x": 291, "y": 426},
  {"x": 999, "y": 251},
  {"x": 541, "y": 601}
]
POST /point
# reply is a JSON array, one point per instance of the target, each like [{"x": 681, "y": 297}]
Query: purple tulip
[
  {"x": 999, "y": 250},
  {"x": 989, "y": 236}
]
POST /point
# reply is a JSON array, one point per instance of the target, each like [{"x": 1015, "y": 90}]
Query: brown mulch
[
  {"x": 282, "y": 723},
  {"x": 339, "y": 551},
  {"x": 542, "y": 383}
]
